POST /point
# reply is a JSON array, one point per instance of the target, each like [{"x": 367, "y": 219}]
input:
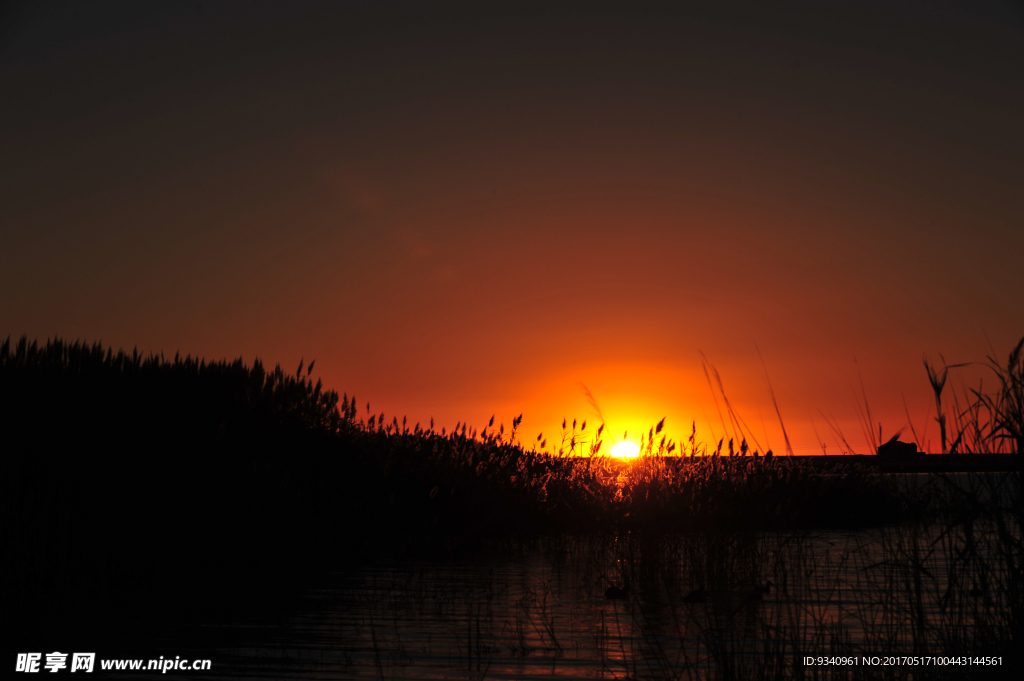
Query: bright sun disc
[{"x": 626, "y": 449}]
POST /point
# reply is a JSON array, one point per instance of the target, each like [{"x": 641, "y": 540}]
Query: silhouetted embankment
[{"x": 144, "y": 487}]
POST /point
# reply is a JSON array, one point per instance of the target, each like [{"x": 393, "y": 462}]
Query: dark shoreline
[
  {"x": 147, "y": 490},
  {"x": 922, "y": 463}
]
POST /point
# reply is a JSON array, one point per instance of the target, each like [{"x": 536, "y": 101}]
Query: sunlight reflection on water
[{"x": 543, "y": 613}]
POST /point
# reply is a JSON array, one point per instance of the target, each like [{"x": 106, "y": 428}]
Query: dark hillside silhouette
[
  {"x": 123, "y": 473},
  {"x": 190, "y": 482},
  {"x": 139, "y": 487}
]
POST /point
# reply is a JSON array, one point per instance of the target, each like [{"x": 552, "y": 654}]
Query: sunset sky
[{"x": 467, "y": 209}]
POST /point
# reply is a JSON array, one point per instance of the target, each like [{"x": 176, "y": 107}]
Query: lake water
[{"x": 541, "y": 612}]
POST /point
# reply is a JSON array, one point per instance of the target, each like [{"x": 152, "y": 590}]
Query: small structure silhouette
[{"x": 894, "y": 450}]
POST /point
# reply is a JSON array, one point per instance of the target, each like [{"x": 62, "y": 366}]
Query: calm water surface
[{"x": 542, "y": 612}]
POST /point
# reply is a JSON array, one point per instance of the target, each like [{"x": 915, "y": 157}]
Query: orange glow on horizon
[{"x": 704, "y": 235}]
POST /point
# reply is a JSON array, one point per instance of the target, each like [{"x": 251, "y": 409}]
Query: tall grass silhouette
[{"x": 139, "y": 486}]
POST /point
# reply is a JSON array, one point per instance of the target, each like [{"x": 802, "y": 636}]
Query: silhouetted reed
[
  {"x": 748, "y": 492},
  {"x": 141, "y": 485},
  {"x": 988, "y": 421}
]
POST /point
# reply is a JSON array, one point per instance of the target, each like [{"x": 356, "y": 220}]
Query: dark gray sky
[{"x": 463, "y": 209}]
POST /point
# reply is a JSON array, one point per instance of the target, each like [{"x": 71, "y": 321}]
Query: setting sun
[{"x": 626, "y": 450}]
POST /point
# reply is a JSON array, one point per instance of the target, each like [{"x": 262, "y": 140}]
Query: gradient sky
[{"x": 460, "y": 211}]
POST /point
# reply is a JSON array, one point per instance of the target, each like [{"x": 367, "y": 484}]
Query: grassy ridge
[
  {"x": 180, "y": 482},
  {"x": 154, "y": 478},
  {"x": 151, "y": 481}
]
